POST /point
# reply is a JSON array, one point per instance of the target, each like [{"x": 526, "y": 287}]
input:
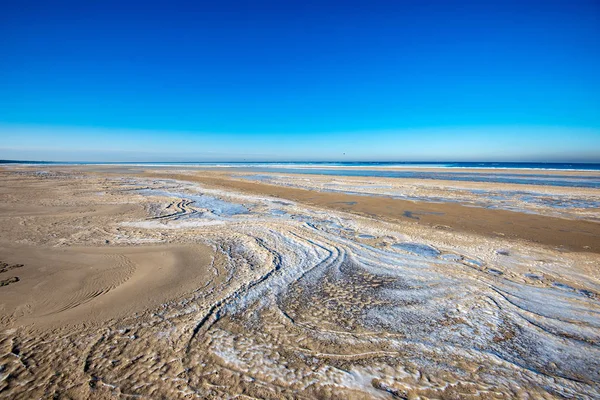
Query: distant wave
[{"x": 338, "y": 164}]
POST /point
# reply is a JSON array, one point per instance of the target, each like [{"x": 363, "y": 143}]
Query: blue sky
[{"x": 291, "y": 80}]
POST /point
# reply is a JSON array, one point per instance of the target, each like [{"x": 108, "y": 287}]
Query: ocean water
[
  {"x": 327, "y": 164},
  {"x": 408, "y": 170}
]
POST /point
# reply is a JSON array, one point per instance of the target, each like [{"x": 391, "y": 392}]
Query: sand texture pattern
[{"x": 123, "y": 283}]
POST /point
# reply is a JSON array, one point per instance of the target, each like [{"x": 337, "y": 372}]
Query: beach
[{"x": 194, "y": 282}]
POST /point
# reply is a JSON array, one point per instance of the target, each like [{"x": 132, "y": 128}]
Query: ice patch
[
  {"x": 418, "y": 249},
  {"x": 213, "y": 204}
]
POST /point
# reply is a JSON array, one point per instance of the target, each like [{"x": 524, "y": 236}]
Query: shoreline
[
  {"x": 274, "y": 167},
  {"x": 558, "y": 233}
]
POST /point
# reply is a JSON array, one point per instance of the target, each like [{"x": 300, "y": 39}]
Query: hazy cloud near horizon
[{"x": 537, "y": 144}]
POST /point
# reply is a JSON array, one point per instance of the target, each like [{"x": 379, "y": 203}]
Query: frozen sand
[{"x": 293, "y": 297}]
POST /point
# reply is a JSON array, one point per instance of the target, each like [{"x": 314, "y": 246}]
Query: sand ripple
[{"x": 302, "y": 303}]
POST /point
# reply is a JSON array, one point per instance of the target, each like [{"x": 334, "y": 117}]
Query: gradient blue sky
[{"x": 300, "y": 80}]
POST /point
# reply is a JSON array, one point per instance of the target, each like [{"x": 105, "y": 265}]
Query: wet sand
[
  {"x": 546, "y": 230},
  {"x": 122, "y": 282},
  {"x": 520, "y": 171}
]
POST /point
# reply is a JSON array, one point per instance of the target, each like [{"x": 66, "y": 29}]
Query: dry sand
[
  {"x": 88, "y": 285},
  {"x": 123, "y": 282}
]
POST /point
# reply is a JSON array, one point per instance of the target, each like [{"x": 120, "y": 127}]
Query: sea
[
  {"x": 538, "y": 174},
  {"x": 332, "y": 164}
]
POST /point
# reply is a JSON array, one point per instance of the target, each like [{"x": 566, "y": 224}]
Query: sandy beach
[
  {"x": 300, "y": 200},
  {"x": 132, "y": 281}
]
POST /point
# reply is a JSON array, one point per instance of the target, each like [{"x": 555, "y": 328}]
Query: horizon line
[{"x": 9, "y": 161}]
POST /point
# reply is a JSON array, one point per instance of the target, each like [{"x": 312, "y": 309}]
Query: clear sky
[{"x": 300, "y": 80}]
